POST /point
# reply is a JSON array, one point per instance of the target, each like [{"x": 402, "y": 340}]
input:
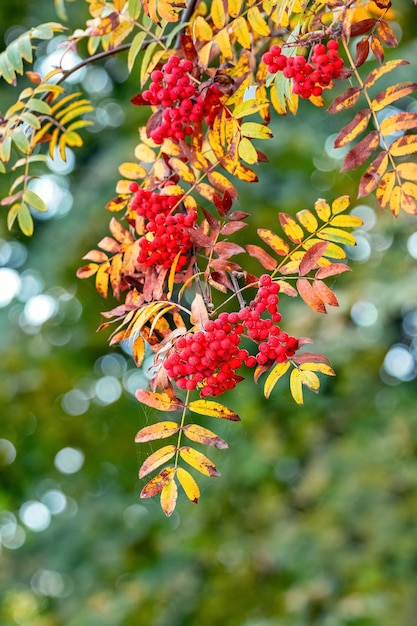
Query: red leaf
[
  {"x": 309, "y": 260},
  {"x": 323, "y": 292},
  {"x": 227, "y": 249},
  {"x": 361, "y": 152},
  {"x": 360, "y": 28},
  {"x": 362, "y": 51}
]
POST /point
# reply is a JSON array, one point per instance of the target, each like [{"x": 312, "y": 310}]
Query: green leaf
[
  {"x": 31, "y": 198},
  {"x": 12, "y": 214},
  {"x": 135, "y": 49},
  {"x": 14, "y": 56},
  {"x": 39, "y": 105},
  {"x": 133, "y": 8},
  {"x": 6, "y": 70},
  {"x": 21, "y": 141},
  {"x": 25, "y": 47},
  {"x": 25, "y": 220}
]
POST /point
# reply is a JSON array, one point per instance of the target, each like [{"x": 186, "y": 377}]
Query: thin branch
[{"x": 185, "y": 17}]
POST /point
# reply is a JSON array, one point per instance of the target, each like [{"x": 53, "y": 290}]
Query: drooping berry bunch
[
  {"x": 175, "y": 91},
  {"x": 149, "y": 204},
  {"x": 274, "y": 345},
  {"x": 167, "y": 236},
  {"x": 309, "y": 77},
  {"x": 208, "y": 359}
]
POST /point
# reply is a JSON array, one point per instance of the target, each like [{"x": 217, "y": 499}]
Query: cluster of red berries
[
  {"x": 173, "y": 88},
  {"x": 309, "y": 78},
  {"x": 167, "y": 236},
  {"x": 209, "y": 358},
  {"x": 149, "y": 204},
  {"x": 274, "y": 345}
]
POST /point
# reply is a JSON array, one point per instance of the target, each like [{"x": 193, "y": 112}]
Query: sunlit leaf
[
  {"x": 202, "y": 435},
  {"x": 189, "y": 485},
  {"x": 214, "y": 409},
  {"x": 156, "y": 459},
  {"x": 169, "y": 496},
  {"x": 160, "y": 430},
  {"x": 290, "y": 227},
  {"x": 160, "y": 401},
  {"x": 296, "y": 386},
  {"x": 198, "y": 460},
  {"x": 309, "y": 296},
  {"x": 276, "y": 373}
]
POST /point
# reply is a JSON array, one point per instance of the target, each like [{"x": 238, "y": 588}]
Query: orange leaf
[
  {"x": 263, "y": 257},
  {"x": 202, "y": 435},
  {"x": 87, "y": 270},
  {"x": 156, "y": 484},
  {"x": 157, "y": 431},
  {"x": 199, "y": 461},
  {"x": 138, "y": 351},
  {"x": 159, "y": 457},
  {"x": 214, "y": 409},
  {"x": 102, "y": 279},
  {"x": 169, "y": 496},
  {"x": 160, "y": 401},
  {"x": 332, "y": 270},
  {"x": 325, "y": 294},
  {"x": 222, "y": 183},
  {"x": 189, "y": 485},
  {"x": 309, "y": 296}
]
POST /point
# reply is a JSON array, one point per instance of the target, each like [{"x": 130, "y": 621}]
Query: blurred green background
[{"x": 313, "y": 521}]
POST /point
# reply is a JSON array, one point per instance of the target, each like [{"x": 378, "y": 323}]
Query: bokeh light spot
[{"x": 69, "y": 460}]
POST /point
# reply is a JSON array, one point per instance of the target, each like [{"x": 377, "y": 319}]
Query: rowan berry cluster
[
  {"x": 209, "y": 358},
  {"x": 149, "y": 204},
  {"x": 309, "y": 77},
  {"x": 174, "y": 90},
  {"x": 167, "y": 236}
]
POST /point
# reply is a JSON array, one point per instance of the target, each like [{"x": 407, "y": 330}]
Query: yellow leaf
[
  {"x": 144, "y": 153},
  {"x": 308, "y": 220},
  {"x": 160, "y": 430},
  {"x": 322, "y": 209},
  {"x": 323, "y": 368},
  {"x": 102, "y": 279},
  {"x": 169, "y": 496},
  {"x": 234, "y": 7},
  {"x": 257, "y": 22},
  {"x": 340, "y": 204},
  {"x": 189, "y": 485},
  {"x": 296, "y": 386},
  {"x": 385, "y": 188},
  {"x": 275, "y": 242},
  {"x": 338, "y": 236},
  {"x": 310, "y": 379},
  {"x": 156, "y": 484},
  {"x": 381, "y": 70},
  {"x": 204, "y": 54},
  {"x": 218, "y": 14},
  {"x": 138, "y": 351},
  {"x": 255, "y": 130},
  {"x": 398, "y": 122},
  {"x": 395, "y": 200},
  {"x": 223, "y": 41},
  {"x": 279, "y": 370},
  {"x": 248, "y": 107},
  {"x": 404, "y": 146},
  {"x": 241, "y": 31},
  {"x": 346, "y": 221},
  {"x": 247, "y": 152},
  {"x": 408, "y": 171},
  {"x": 159, "y": 457},
  {"x": 222, "y": 183},
  {"x": 392, "y": 94},
  {"x": 199, "y": 461},
  {"x": 290, "y": 227},
  {"x": 214, "y": 409},
  {"x": 203, "y": 435},
  {"x": 132, "y": 171},
  {"x": 202, "y": 30},
  {"x": 172, "y": 190}
]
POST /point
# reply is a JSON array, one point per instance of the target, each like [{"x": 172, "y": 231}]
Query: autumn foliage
[{"x": 212, "y": 76}]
